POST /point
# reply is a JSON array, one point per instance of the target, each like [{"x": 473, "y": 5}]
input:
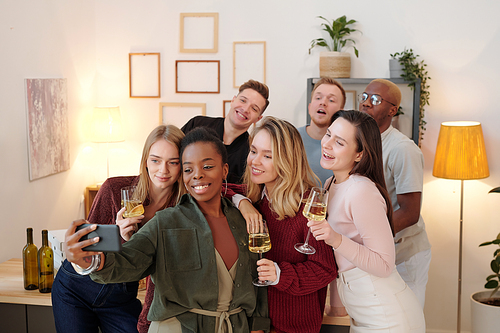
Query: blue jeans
[{"x": 81, "y": 305}]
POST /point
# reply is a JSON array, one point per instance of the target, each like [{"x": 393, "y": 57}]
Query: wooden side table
[{"x": 90, "y": 193}]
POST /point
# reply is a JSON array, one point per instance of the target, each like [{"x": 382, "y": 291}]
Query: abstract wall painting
[{"x": 47, "y": 121}]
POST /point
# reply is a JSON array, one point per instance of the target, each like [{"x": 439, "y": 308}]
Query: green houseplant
[
  {"x": 338, "y": 31},
  {"x": 335, "y": 63},
  {"x": 485, "y": 305},
  {"x": 413, "y": 70}
]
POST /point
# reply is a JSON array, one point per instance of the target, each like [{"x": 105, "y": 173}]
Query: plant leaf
[
  {"x": 495, "y": 190},
  {"x": 495, "y": 267},
  {"x": 491, "y": 284}
]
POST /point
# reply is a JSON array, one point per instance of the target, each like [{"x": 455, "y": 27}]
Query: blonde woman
[
  {"x": 81, "y": 305},
  {"x": 277, "y": 177}
]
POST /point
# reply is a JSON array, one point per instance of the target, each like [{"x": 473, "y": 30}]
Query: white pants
[
  {"x": 415, "y": 272},
  {"x": 379, "y": 304}
]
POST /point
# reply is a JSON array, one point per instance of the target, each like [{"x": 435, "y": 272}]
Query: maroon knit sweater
[{"x": 297, "y": 302}]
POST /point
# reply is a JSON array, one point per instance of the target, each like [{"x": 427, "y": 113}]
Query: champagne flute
[
  {"x": 314, "y": 209},
  {"x": 259, "y": 242}
]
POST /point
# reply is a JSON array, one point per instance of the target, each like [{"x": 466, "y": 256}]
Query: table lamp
[
  {"x": 461, "y": 155},
  {"x": 106, "y": 127}
]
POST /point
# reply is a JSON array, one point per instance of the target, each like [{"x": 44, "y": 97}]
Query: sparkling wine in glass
[
  {"x": 314, "y": 209},
  {"x": 259, "y": 242},
  {"x": 133, "y": 205}
]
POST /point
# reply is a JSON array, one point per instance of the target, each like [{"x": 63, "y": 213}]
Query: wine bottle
[
  {"x": 30, "y": 262},
  {"x": 45, "y": 265}
]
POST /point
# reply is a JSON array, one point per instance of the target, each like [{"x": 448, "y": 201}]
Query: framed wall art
[
  {"x": 144, "y": 75},
  {"x": 249, "y": 62},
  {"x": 199, "y": 32},
  {"x": 350, "y": 100},
  {"x": 226, "y": 105},
  {"x": 48, "y": 134},
  {"x": 179, "y": 113},
  {"x": 197, "y": 76}
]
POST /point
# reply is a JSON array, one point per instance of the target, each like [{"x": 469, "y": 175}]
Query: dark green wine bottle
[
  {"x": 30, "y": 263},
  {"x": 45, "y": 265}
]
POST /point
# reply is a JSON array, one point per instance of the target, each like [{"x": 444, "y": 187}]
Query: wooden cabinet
[{"x": 90, "y": 193}]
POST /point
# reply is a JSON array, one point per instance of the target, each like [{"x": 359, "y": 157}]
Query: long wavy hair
[
  {"x": 173, "y": 135},
  {"x": 369, "y": 142},
  {"x": 295, "y": 176}
]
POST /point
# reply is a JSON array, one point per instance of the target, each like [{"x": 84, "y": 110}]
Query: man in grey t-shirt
[{"x": 327, "y": 97}]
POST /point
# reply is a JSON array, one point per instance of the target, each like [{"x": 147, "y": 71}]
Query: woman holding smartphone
[
  {"x": 82, "y": 305},
  {"x": 196, "y": 252}
]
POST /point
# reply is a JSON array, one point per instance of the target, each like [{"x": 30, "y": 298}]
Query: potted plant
[
  {"x": 336, "y": 63},
  {"x": 411, "y": 71},
  {"x": 485, "y": 305}
]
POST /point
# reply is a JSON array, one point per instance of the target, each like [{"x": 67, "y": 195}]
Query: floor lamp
[
  {"x": 460, "y": 154},
  {"x": 106, "y": 127}
]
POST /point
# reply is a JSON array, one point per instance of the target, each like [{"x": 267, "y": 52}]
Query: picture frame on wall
[
  {"x": 199, "y": 32},
  {"x": 179, "y": 114},
  {"x": 249, "y": 62},
  {"x": 226, "y": 105},
  {"x": 48, "y": 127},
  {"x": 144, "y": 75},
  {"x": 197, "y": 76},
  {"x": 350, "y": 100}
]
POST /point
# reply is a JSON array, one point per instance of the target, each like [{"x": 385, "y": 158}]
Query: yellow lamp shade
[
  {"x": 106, "y": 125},
  {"x": 460, "y": 151}
]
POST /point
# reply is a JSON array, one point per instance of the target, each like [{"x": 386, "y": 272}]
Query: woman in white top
[{"x": 359, "y": 231}]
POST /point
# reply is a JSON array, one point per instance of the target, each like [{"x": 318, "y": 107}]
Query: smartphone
[{"x": 109, "y": 238}]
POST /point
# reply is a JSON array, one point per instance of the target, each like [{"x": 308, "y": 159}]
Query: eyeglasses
[{"x": 374, "y": 99}]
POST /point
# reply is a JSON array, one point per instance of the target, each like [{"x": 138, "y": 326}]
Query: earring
[{"x": 225, "y": 190}]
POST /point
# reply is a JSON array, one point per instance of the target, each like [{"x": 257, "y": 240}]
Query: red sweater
[{"x": 297, "y": 302}]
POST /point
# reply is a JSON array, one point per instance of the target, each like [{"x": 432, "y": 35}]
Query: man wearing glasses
[{"x": 403, "y": 173}]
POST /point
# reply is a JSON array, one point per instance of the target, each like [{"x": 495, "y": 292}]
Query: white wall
[{"x": 88, "y": 43}]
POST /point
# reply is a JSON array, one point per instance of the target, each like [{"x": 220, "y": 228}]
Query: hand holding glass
[
  {"x": 259, "y": 242},
  {"x": 133, "y": 205},
  {"x": 314, "y": 209}
]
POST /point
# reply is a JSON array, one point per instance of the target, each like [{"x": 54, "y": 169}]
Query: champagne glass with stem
[
  {"x": 259, "y": 242},
  {"x": 314, "y": 209}
]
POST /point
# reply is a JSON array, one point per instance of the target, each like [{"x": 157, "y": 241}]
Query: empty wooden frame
[
  {"x": 350, "y": 100},
  {"x": 197, "y": 76},
  {"x": 144, "y": 75},
  {"x": 226, "y": 105},
  {"x": 249, "y": 62},
  {"x": 179, "y": 113},
  {"x": 199, "y": 32}
]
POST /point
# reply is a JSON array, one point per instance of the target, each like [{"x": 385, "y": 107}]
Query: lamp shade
[
  {"x": 460, "y": 151},
  {"x": 106, "y": 125}
]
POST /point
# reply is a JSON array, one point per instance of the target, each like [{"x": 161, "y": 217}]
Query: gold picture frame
[
  {"x": 180, "y": 113},
  {"x": 199, "y": 32},
  {"x": 197, "y": 76},
  {"x": 249, "y": 62},
  {"x": 144, "y": 75}
]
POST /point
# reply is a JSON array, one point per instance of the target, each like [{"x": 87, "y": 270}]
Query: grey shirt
[{"x": 313, "y": 151}]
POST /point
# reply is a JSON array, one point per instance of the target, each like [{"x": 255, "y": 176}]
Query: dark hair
[
  {"x": 261, "y": 88},
  {"x": 204, "y": 134},
  {"x": 369, "y": 142}
]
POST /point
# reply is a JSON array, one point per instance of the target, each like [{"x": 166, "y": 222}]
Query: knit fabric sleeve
[
  {"x": 298, "y": 276},
  {"x": 375, "y": 254},
  {"x": 107, "y": 202}
]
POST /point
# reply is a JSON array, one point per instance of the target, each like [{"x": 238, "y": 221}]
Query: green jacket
[{"x": 176, "y": 248}]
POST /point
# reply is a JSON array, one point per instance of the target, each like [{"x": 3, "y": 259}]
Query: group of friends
[{"x": 204, "y": 186}]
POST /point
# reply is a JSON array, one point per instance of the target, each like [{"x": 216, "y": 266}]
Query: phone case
[{"x": 109, "y": 238}]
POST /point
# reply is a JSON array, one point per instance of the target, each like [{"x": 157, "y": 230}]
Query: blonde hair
[
  {"x": 295, "y": 176},
  {"x": 332, "y": 82},
  {"x": 173, "y": 135},
  {"x": 393, "y": 90}
]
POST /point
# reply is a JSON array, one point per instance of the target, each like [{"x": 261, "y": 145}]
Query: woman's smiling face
[{"x": 203, "y": 171}]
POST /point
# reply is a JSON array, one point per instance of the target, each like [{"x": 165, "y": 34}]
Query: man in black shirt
[{"x": 246, "y": 109}]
